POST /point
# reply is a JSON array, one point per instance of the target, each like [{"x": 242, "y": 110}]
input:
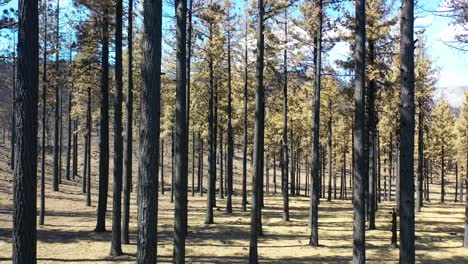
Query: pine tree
[
  {"x": 26, "y": 96},
  {"x": 259, "y": 138},
  {"x": 181, "y": 140},
  {"x": 116, "y": 245},
  {"x": 359, "y": 246},
  {"x": 407, "y": 124},
  {"x": 149, "y": 133},
  {"x": 128, "y": 143}
]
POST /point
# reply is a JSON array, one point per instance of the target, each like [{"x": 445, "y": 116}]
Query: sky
[{"x": 452, "y": 64}]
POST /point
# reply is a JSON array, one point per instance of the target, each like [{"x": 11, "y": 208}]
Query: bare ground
[{"x": 68, "y": 237}]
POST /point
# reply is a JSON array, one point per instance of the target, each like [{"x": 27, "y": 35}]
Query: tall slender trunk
[
  {"x": 456, "y": 182},
  {"x": 245, "y": 141},
  {"x": 285, "y": 159},
  {"x": 406, "y": 139},
  {"x": 56, "y": 178},
  {"x": 390, "y": 169},
  {"x": 329, "y": 152},
  {"x": 13, "y": 109},
  {"x": 104, "y": 128},
  {"x": 200, "y": 165},
  {"x": 274, "y": 172},
  {"x": 255, "y": 221},
  {"x": 44, "y": 109},
  {"x": 359, "y": 244},
  {"x": 162, "y": 166},
  {"x": 116, "y": 243},
  {"x": 211, "y": 142},
  {"x": 193, "y": 163},
  {"x": 230, "y": 138},
  {"x": 88, "y": 154},
  {"x": 75, "y": 149},
  {"x": 149, "y": 133},
  {"x": 128, "y": 142},
  {"x": 421, "y": 159},
  {"x": 25, "y": 155},
  {"x": 69, "y": 134},
  {"x": 221, "y": 166},
  {"x": 85, "y": 160},
  {"x": 181, "y": 140},
  {"x": 442, "y": 180},
  {"x": 371, "y": 127},
  {"x": 292, "y": 187},
  {"x": 60, "y": 134},
  {"x": 172, "y": 163}
]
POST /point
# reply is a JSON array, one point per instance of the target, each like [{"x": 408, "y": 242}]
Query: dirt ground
[{"x": 68, "y": 237}]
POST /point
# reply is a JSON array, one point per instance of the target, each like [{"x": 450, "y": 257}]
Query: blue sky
[{"x": 453, "y": 64}]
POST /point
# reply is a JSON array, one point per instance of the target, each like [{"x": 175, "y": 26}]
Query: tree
[
  {"x": 314, "y": 197},
  {"x": 407, "y": 124},
  {"x": 255, "y": 219},
  {"x": 149, "y": 132},
  {"x": 44, "y": 109},
  {"x": 181, "y": 140},
  {"x": 245, "y": 128},
  {"x": 128, "y": 144},
  {"x": 116, "y": 245},
  {"x": 230, "y": 139},
  {"x": 442, "y": 138},
  {"x": 104, "y": 125},
  {"x": 26, "y": 96},
  {"x": 359, "y": 245},
  {"x": 285, "y": 159},
  {"x": 56, "y": 179}
]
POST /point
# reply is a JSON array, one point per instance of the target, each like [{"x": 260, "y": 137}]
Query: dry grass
[{"x": 68, "y": 235}]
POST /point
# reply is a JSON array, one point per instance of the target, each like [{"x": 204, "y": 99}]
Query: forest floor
[{"x": 68, "y": 236}]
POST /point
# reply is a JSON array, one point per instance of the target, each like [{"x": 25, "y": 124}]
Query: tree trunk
[
  {"x": 359, "y": 245},
  {"x": 285, "y": 159},
  {"x": 44, "y": 109},
  {"x": 421, "y": 159},
  {"x": 230, "y": 138},
  {"x": 221, "y": 165},
  {"x": 162, "y": 166},
  {"x": 245, "y": 143},
  {"x": 255, "y": 221},
  {"x": 172, "y": 163},
  {"x": 390, "y": 169},
  {"x": 25, "y": 173},
  {"x": 104, "y": 128},
  {"x": 193, "y": 163},
  {"x": 181, "y": 140},
  {"x": 56, "y": 178},
  {"x": 456, "y": 182},
  {"x": 200, "y": 165},
  {"x": 149, "y": 133},
  {"x": 292, "y": 187},
  {"x": 371, "y": 138},
  {"x": 442, "y": 180},
  {"x": 211, "y": 142},
  {"x": 88, "y": 155},
  {"x": 13, "y": 109},
  {"x": 329, "y": 152},
  {"x": 75, "y": 149},
  {"x": 116, "y": 244},
  {"x": 406, "y": 153},
  {"x": 128, "y": 142},
  {"x": 274, "y": 172}
]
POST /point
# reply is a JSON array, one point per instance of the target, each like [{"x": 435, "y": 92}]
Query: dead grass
[{"x": 68, "y": 235}]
